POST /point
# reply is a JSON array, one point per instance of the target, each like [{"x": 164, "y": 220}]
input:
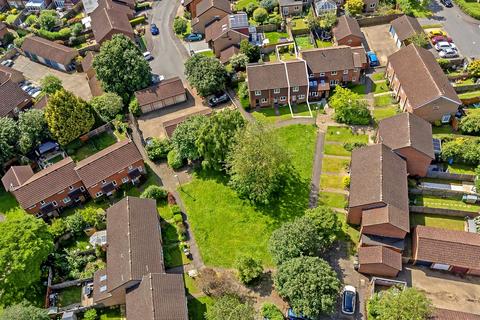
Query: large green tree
[
  {"x": 250, "y": 50},
  {"x": 398, "y": 304},
  {"x": 24, "y": 311},
  {"x": 309, "y": 284},
  {"x": 206, "y": 74},
  {"x": 51, "y": 84},
  {"x": 470, "y": 124},
  {"x": 108, "y": 105},
  {"x": 230, "y": 307},
  {"x": 48, "y": 19},
  {"x": 349, "y": 108},
  {"x": 218, "y": 136},
  {"x": 185, "y": 136},
  {"x": 8, "y": 139},
  {"x": 67, "y": 116},
  {"x": 259, "y": 167},
  {"x": 354, "y": 7},
  {"x": 121, "y": 68},
  {"x": 24, "y": 246},
  {"x": 32, "y": 128},
  {"x": 248, "y": 268}
]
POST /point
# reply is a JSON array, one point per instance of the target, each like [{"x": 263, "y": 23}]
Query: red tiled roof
[
  {"x": 380, "y": 255},
  {"x": 347, "y": 26},
  {"x": 15, "y": 176}
]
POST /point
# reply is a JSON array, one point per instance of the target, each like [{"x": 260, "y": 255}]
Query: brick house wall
[
  {"x": 118, "y": 178},
  {"x": 417, "y": 162},
  {"x": 370, "y": 5},
  {"x": 267, "y": 97},
  {"x": 291, "y": 10},
  {"x": 378, "y": 269},
  {"x": 384, "y": 230},
  {"x": 351, "y": 41},
  {"x": 192, "y": 7}
]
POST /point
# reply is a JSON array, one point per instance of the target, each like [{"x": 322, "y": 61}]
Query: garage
[{"x": 166, "y": 93}]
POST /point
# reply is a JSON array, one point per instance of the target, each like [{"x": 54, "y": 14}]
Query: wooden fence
[
  {"x": 71, "y": 283},
  {"x": 377, "y": 20},
  {"x": 436, "y": 192},
  {"x": 451, "y": 176},
  {"x": 96, "y": 132},
  {"x": 267, "y": 28},
  {"x": 443, "y": 212}
]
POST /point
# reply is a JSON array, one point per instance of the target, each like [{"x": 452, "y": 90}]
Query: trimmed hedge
[
  {"x": 137, "y": 20},
  {"x": 472, "y": 8},
  {"x": 63, "y": 34}
]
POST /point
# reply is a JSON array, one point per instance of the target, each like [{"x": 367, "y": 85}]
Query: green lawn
[
  {"x": 359, "y": 89},
  {"x": 92, "y": 146},
  {"x": 69, "y": 296},
  {"x": 81, "y": 243},
  {"x": 351, "y": 234},
  {"x": 384, "y": 100},
  {"x": 7, "y": 201},
  {"x": 471, "y": 8},
  {"x": 274, "y": 36},
  {"x": 448, "y": 203},
  {"x": 344, "y": 134},
  {"x": 380, "y": 87},
  {"x": 335, "y": 150},
  {"x": 378, "y": 76},
  {"x": 299, "y": 24},
  {"x": 323, "y": 44},
  {"x": 470, "y": 94},
  {"x": 331, "y": 181},
  {"x": 461, "y": 168},
  {"x": 303, "y": 42},
  {"x": 207, "y": 53},
  {"x": 444, "y": 129},
  {"x": 267, "y": 115},
  {"x": 333, "y": 200},
  {"x": 437, "y": 221},
  {"x": 335, "y": 165},
  {"x": 110, "y": 314},
  {"x": 384, "y": 112},
  {"x": 190, "y": 284},
  {"x": 198, "y": 306},
  {"x": 419, "y": 10},
  {"x": 242, "y": 4}
]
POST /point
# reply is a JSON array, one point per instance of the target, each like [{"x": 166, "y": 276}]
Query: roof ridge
[
  {"x": 417, "y": 49},
  {"x": 130, "y": 262},
  {"x": 150, "y": 278},
  {"x": 409, "y": 127},
  {"x": 381, "y": 172},
  {"x": 48, "y": 173}
]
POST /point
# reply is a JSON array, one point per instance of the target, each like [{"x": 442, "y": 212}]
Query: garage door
[
  {"x": 169, "y": 101},
  {"x": 440, "y": 266},
  {"x": 180, "y": 98}
]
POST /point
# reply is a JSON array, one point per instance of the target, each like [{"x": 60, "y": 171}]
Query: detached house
[
  {"x": 110, "y": 18},
  {"x": 403, "y": 28},
  {"x": 49, "y": 53},
  {"x": 347, "y": 32},
  {"x": 209, "y": 11},
  {"x": 224, "y": 36},
  {"x": 410, "y": 137},
  {"x": 420, "y": 85}
]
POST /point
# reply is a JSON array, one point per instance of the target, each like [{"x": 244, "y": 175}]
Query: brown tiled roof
[
  {"x": 7, "y": 73},
  {"x": 134, "y": 241},
  {"x": 444, "y": 314},
  {"x": 166, "y": 89},
  {"x": 205, "y": 5},
  {"x": 406, "y": 26},
  {"x": 452, "y": 247},
  {"x": 378, "y": 175},
  {"x": 172, "y": 124},
  {"x": 359, "y": 56},
  {"x": 387, "y": 214},
  {"x": 105, "y": 20},
  {"x": 227, "y": 53},
  {"x": 420, "y": 76},
  {"x": 380, "y": 255},
  {"x": 107, "y": 162},
  {"x": 50, "y": 50},
  {"x": 15, "y": 176},
  {"x": 329, "y": 59},
  {"x": 407, "y": 130},
  {"x": 42, "y": 103},
  {"x": 268, "y": 76},
  {"x": 216, "y": 29},
  {"x": 12, "y": 96},
  {"x": 47, "y": 182},
  {"x": 347, "y": 26},
  {"x": 98, "y": 283},
  {"x": 87, "y": 62},
  {"x": 158, "y": 297}
]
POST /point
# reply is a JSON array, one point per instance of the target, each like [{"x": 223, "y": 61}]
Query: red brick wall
[
  {"x": 384, "y": 230},
  {"x": 269, "y": 95},
  {"x": 417, "y": 162},
  {"x": 351, "y": 41},
  {"x": 378, "y": 270}
]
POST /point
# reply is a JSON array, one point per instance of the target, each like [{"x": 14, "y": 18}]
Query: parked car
[
  {"x": 27, "y": 87},
  {"x": 291, "y": 315},
  {"x": 147, "y": 56},
  {"x": 217, "y": 99},
  {"x": 36, "y": 94},
  {"x": 448, "y": 53},
  {"x": 442, "y": 45},
  {"x": 154, "y": 29},
  {"x": 193, "y": 37},
  {"x": 157, "y": 78},
  {"x": 372, "y": 59},
  {"x": 447, "y": 3},
  {"x": 438, "y": 39},
  {"x": 436, "y": 32},
  {"x": 7, "y": 63},
  {"x": 349, "y": 300}
]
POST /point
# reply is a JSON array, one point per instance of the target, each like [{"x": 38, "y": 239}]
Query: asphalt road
[
  {"x": 168, "y": 52},
  {"x": 464, "y": 30}
]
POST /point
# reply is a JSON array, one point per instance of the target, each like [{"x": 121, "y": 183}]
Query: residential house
[
  {"x": 420, "y": 85},
  {"x": 93, "y": 82},
  {"x": 108, "y": 169},
  {"x": 11, "y": 74},
  {"x": 65, "y": 4},
  {"x": 410, "y": 137},
  {"x": 14, "y": 99},
  {"x": 277, "y": 83},
  {"x": 291, "y": 7},
  {"x": 46, "y": 192},
  {"x": 49, "y": 53},
  {"x": 347, "y": 32},
  {"x": 110, "y": 18},
  {"x": 3, "y": 30},
  {"x": 328, "y": 67},
  {"x": 135, "y": 272},
  {"x": 191, "y": 6},
  {"x": 449, "y": 250},
  {"x": 226, "y": 33},
  {"x": 228, "y": 53},
  {"x": 403, "y": 28},
  {"x": 444, "y": 314},
  {"x": 209, "y": 11},
  {"x": 161, "y": 95}
]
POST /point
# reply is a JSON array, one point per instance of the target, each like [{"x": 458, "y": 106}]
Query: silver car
[{"x": 445, "y": 45}]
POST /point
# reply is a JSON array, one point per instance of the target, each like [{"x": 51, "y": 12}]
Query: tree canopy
[
  {"x": 398, "y": 304},
  {"x": 121, "y": 68},
  {"x": 51, "y": 84},
  {"x": 239, "y": 61},
  {"x": 48, "y": 19},
  {"x": 185, "y": 136},
  {"x": 108, "y": 105},
  {"x": 206, "y": 74},
  {"x": 25, "y": 244},
  {"x": 24, "y": 311},
  {"x": 310, "y": 285},
  {"x": 419, "y": 39},
  {"x": 67, "y": 116},
  {"x": 230, "y": 307},
  {"x": 349, "y": 108},
  {"x": 32, "y": 128},
  {"x": 260, "y": 15},
  {"x": 473, "y": 68},
  {"x": 8, "y": 139},
  {"x": 354, "y": 7},
  {"x": 248, "y": 268},
  {"x": 470, "y": 124},
  {"x": 250, "y": 50}
]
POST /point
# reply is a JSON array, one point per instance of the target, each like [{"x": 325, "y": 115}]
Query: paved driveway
[
  {"x": 74, "y": 82},
  {"x": 380, "y": 41},
  {"x": 464, "y": 30}
]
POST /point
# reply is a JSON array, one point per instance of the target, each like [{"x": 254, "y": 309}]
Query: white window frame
[
  {"x": 99, "y": 194},
  {"x": 82, "y": 188},
  {"x": 55, "y": 203},
  {"x": 277, "y": 90},
  {"x": 322, "y": 74},
  {"x": 130, "y": 167},
  {"x": 302, "y": 96},
  {"x": 345, "y": 71},
  {"x": 103, "y": 277},
  {"x": 71, "y": 187},
  {"x": 66, "y": 200},
  {"x": 42, "y": 202},
  {"x": 296, "y": 88},
  {"x": 264, "y": 100},
  {"x": 310, "y": 75},
  {"x": 283, "y": 98},
  {"x": 114, "y": 183},
  {"x": 125, "y": 179},
  {"x": 258, "y": 92},
  {"x": 140, "y": 169},
  {"x": 333, "y": 73},
  {"x": 373, "y": 5},
  {"x": 104, "y": 181}
]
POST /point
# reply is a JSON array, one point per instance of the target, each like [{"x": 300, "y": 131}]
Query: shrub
[
  {"x": 444, "y": 63},
  {"x": 250, "y": 8},
  {"x": 177, "y": 218},
  {"x": 158, "y": 149},
  {"x": 470, "y": 124},
  {"x": 75, "y": 223},
  {"x": 137, "y": 20},
  {"x": 175, "y": 209},
  {"x": 248, "y": 269},
  {"x": 275, "y": 19},
  {"x": 90, "y": 314},
  {"x": 466, "y": 150},
  {"x": 63, "y": 34},
  {"x": 134, "y": 107},
  {"x": 57, "y": 228},
  {"x": 179, "y": 25},
  {"x": 271, "y": 312},
  {"x": 154, "y": 192},
  {"x": 187, "y": 15},
  {"x": 346, "y": 182},
  {"x": 260, "y": 15},
  {"x": 350, "y": 146},
  {"x": 174, "y": 160},
  {"x": 473, "y": 68},
  {"x": 269, "y": 5}
]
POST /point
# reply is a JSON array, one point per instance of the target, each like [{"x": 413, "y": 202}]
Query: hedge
[
  {"x": 137, "y": 20},
  {"x": 472, "y": 8},
  {"x": 63, "y": 34}
]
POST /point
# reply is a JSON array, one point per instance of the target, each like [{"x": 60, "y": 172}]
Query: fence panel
[{"x": 443, "y": 212}]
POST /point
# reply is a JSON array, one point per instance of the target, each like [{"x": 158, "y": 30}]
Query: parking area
[
  {"x": 74, "y": 82},
  {"x": 379, "y": 40},
  {"x": 446, "y": 290}
]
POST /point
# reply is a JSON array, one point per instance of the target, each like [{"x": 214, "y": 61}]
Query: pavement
[
  {"x": 379, "y": 40},
  {"x": 464, "y": 29}
]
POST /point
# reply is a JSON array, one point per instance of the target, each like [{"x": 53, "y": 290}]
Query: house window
[
  {"x": 32, "y": 207},
  {"x": 355, "y": 70},
  {"x": 436, "y": 107},
  {"x": 42, "y": 202},
  {"x": 332, "y": 82},
  {"x": 55, "y": 203},
  {"x": 333, "y": 73},
  {"x": 372, "y": 5},
  {"x": 71, "y": 187},
  {"x": 114, "y": 182},
  {"x": 310, "y": 75},
  {"x": 124, "y": 179},
  {"x": 295, "y": 89},
  {"x": 345, "y": 71},
  {"x": 258, "y": 93},
  {"x": 103, "y": 288},
  {"x": 140, "y": 169},
  {"x": 283, "y": 98},
  {"x": 322, "y": 74},
  {"x": 302, "y": 96},
  {"x": 297, "y": 8},
  {"x": 38, "y": 215},
  {"x": 66, "y": 200},
  {"x": 130, "y": 167},
  {"x": 99, "y": 194},
  {"x": 104, "y": 181},
  {"x": 276, "y": 90},
  {"x": 314, "y": 93},
  {"x": 82, "y": 188},
  {"x": 103, "y": 277},
  {"x": 264, "y": 100}
]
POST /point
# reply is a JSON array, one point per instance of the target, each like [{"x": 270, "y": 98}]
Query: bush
[
  {"x": 470, "y": 124},
  {"x": 174, "y": 160},
  {"x": 90, "y": 314},
  {"x": 187, "y": 15},
  {"x": 444, "y": 63},
  {"x": 346, "y": 182},
  {"x": 154, "y": 192},
  {"x": 271, "y": 312},
  {"x": 57, "y": 228},
  {"x": 465, "y": 150},
  {"x": 75, "y": 223},
  {"x": 63, "y": 34},
  {"x": 177, "y": 218},
  {"x": 134, "y": 107},
  {"x": 468, "y": 8},
  {"x": 250, "y": 8},
  {"x": 180, "y": 25},
  {"x": 260, "y": 15},
  {"x": 269, "y": 5},
  {"x": 350, "y": 146},
  {"x": 158, "y": 149},
  {"x": 473, "y": 68},
  {"x": 18, "y": 42},
  {"x": 137, "y": 20},
  {"x": 248, "y": 269},
  {"x": 175, "y": 209}
]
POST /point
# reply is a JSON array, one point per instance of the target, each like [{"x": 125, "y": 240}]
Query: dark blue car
[
  {"x": 291, "y": 315},
  {"x": 372, "y": 59},
  {"x": 154, "y": 29}
]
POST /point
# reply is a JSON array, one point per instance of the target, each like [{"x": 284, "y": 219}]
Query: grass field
[
  {"x": 344, "y": 134},
  {"x": 461, "y": 168},
  {"x": 242, "y": 4},
  {"x": 359, "y": 89},
  {"x": 110, "y": 314},
  {"x": 383, "y": 100},
  {"x": 380, "y": 87},
  {"x": 69, "y": 296},
  {"x": 448, "y": 203},
  {"x": 469, "y": 94},
  {"x": 335, "y": 150},
  {"x": 378, "y": 76},
  {"x": 333, "y": 200},
  {"x": 207, "y": 53},
  {"x": 7, "y": 201},
  {"x": 437, "y": 221},
  {"x": 323, "y": 44},
  {"x": 299, "y": 24},
  {"x": 335, "y": 165},
  {"x": 198, "y": 306},
  {"x": 303, "y": 42},
  {"x": 331, "y": 181},
  {"x": 380, "y": 113},
  {"x": 267, "y": 115}
]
